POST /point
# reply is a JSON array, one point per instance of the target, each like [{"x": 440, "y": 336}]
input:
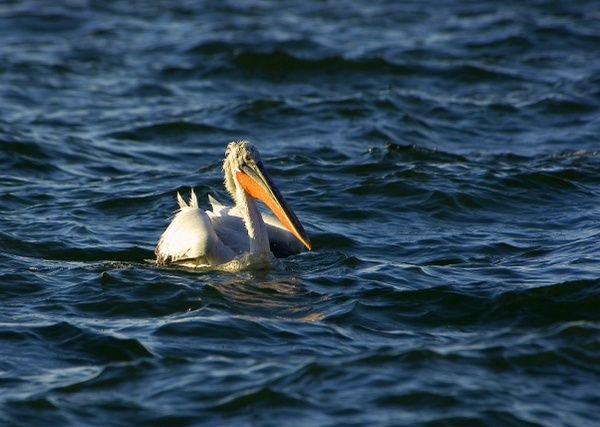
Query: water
[{"x": 443, "y": 157}]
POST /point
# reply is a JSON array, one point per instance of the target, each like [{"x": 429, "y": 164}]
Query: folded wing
[
  {"x": 191, "y": 239},
  {"x": 229, "y": 226}
]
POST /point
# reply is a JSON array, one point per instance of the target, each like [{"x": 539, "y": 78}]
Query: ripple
[{"x": 443, "y": 158}]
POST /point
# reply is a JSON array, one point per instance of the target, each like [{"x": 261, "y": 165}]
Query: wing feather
[{"x": 229, "y": 226}]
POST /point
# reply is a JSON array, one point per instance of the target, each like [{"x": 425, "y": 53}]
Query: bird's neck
[{"x": 257, "y": 230}]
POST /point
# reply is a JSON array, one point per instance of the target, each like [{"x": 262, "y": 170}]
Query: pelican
[{"x": 198, "y": 238}]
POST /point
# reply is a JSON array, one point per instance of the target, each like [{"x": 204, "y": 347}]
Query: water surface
[{"x": 443, "y": 158}]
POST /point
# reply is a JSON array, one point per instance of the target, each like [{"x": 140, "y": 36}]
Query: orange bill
[{"x": 259, "y": 185}]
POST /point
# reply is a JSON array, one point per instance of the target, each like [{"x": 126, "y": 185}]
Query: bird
[{"x": 209, "y": 238}]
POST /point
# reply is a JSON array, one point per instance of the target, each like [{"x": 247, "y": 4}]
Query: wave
[
  {"x": 68, "y": 343},
  {"x": 165, "y": 131},
  {"x": 282, "y": 62}
]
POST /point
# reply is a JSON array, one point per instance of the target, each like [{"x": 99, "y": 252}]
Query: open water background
[{"x": 443, "y": 157}]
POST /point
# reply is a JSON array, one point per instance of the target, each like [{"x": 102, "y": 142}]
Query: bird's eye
[{"x": 247, "y": 158}]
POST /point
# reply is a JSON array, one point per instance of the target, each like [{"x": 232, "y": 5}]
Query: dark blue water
[{"x": 443, "y": 157}]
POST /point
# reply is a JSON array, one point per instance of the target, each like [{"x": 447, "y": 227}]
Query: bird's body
[
  {"x": 195, "y": 237},
  {"x": 229, "y": 226}
]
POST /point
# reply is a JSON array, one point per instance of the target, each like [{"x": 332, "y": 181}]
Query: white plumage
[{"x": 195, "y": 237}]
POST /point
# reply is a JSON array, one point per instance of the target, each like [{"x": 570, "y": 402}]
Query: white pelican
[{"x": 197, "y": 238}]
